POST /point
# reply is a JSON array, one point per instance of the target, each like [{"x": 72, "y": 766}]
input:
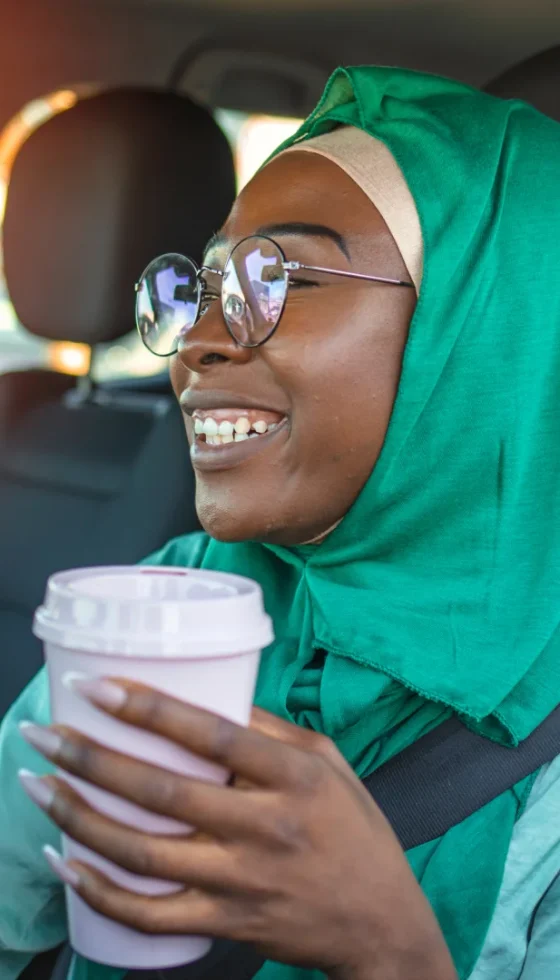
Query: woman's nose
[{"x": 209, "y": 342}]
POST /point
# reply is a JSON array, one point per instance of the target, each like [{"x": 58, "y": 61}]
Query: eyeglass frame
[{"x": 287, "y": 266}]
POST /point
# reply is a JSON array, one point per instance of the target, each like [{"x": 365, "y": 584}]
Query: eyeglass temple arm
[{"x": 295, "y": 266}]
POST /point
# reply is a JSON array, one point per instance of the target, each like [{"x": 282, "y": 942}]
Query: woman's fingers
[
  {"x": 218, "y": 810},
  {"x": 247, "y": 752},
  {"x": 191, "y": 861},
  {"x": 159, "y": 790},
  {"x": 184, "y": 913}
]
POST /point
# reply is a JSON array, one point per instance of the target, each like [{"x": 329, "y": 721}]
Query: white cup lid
[{"x": 153, "y": 611}]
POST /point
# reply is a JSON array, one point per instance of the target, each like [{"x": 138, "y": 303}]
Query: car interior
[{"x": 96, "y": 471}]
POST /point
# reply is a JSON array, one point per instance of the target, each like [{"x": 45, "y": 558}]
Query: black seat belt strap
[{"x": 438, "y": 781}]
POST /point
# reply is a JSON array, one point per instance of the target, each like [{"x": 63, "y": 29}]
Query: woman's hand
[{"x": 294, "y": 857}]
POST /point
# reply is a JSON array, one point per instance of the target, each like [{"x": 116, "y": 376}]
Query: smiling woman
[
  {"x": 367, "y": 362},
  {"x": 298, "y": 499}
]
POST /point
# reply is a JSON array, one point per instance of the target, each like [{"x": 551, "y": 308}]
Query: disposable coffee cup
[{"x": 196, "y": 635}]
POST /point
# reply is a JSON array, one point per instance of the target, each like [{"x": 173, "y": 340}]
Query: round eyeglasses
[{"x": 174, "y": 293}]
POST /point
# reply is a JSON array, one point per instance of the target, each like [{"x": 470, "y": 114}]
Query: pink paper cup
[{"x": 196, "y": 635}]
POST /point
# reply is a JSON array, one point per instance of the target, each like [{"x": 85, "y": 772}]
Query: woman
[{"x": 404, "y": 543}]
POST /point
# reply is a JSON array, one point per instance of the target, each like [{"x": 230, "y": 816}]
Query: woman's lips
[{"x": 206, "y": 456}]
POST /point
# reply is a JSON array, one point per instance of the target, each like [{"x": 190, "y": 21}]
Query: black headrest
[
  {"x": 96, "y": 193},
  {"x": 535, "y": 80}
]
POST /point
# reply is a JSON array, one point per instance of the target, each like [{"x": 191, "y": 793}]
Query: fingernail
[
  {"x": 57, "y": 864},
  {"x": 39, "y": 791},
  {"x": 46, "y": 742},
  {"x": 104, "y": 693}
]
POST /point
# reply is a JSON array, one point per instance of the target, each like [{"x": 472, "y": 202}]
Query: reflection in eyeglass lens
[
  {"x": 256, "y": 283},
  {"x": 236, "y": 312},
  {"x": 167, "y": 302}
]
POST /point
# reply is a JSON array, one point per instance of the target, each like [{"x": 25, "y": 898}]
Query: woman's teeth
[{"x": 222, "y": 433}]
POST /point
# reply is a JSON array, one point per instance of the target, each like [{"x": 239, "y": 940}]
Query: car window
[{"x": 252, "y": 137}]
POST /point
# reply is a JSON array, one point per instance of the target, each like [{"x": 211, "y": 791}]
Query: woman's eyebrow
[
  {"x": 301, "y": 228},
  {"x": 289, "y": 228}
]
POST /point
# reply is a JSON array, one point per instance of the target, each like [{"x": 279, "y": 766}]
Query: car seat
[
  {"x": 91, "y": 474},
  {"x": 535, "y": 80}
]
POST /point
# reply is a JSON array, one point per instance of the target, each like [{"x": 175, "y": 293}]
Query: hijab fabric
[
  {"x": 440, "y": 590},
  {"x": 372, "y": 166}
]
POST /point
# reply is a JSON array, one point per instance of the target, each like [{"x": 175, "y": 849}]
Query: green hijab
[{"x": 440, "y": 590}]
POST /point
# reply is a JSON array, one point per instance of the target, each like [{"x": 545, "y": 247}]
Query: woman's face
[{"x": 328, "y": 377}]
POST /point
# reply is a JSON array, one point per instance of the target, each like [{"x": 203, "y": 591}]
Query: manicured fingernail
[
  {"x": 46, "y": 742},
  {"x": 37, "y": 789},
  {"x": 60, "y": 868},
  {"x": 104, "y": 693}
]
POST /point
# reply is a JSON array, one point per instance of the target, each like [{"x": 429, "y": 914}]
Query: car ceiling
[{"x": 49, "y": 44}]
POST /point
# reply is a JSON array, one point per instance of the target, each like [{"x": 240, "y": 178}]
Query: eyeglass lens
[
  {"x": 254, "y": 288},
  {"x": 167, "y": 302}
]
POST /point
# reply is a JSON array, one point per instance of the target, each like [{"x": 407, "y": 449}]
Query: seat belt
[
  {"x": 438, "y": 781},
  {"x": 424, "y": 791}
]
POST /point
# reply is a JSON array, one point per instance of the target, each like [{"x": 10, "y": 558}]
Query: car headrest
[
  {"x": 95, "y": 194},
  {"x": 535, "y": 80}
]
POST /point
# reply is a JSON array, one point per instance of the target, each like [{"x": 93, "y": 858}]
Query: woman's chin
[
  {"x": 222, "y": 527},
  {"x": 231, "y": 516},
  {"x": 234, "y": 524},
  {"x": 228, "y": 524},
  {"x": 226, "y": 535}
]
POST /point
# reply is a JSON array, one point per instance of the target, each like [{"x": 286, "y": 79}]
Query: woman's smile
[
  {"x": 223, "y": 437},
  {"x": 222, "y": 433}
]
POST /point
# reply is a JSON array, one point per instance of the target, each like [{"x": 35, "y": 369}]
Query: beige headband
[{"x": 372, "y": 166}]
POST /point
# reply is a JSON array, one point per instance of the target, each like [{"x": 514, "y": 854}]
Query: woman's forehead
[{"x": 303, "y": 189}]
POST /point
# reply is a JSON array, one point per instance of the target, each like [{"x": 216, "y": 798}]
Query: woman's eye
[{"x": 302, "y": 283}]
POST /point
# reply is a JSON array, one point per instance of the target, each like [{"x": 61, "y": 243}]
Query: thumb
[
  {"x": 268, "y": 724},
  {"x": 305, "y": 739}
]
